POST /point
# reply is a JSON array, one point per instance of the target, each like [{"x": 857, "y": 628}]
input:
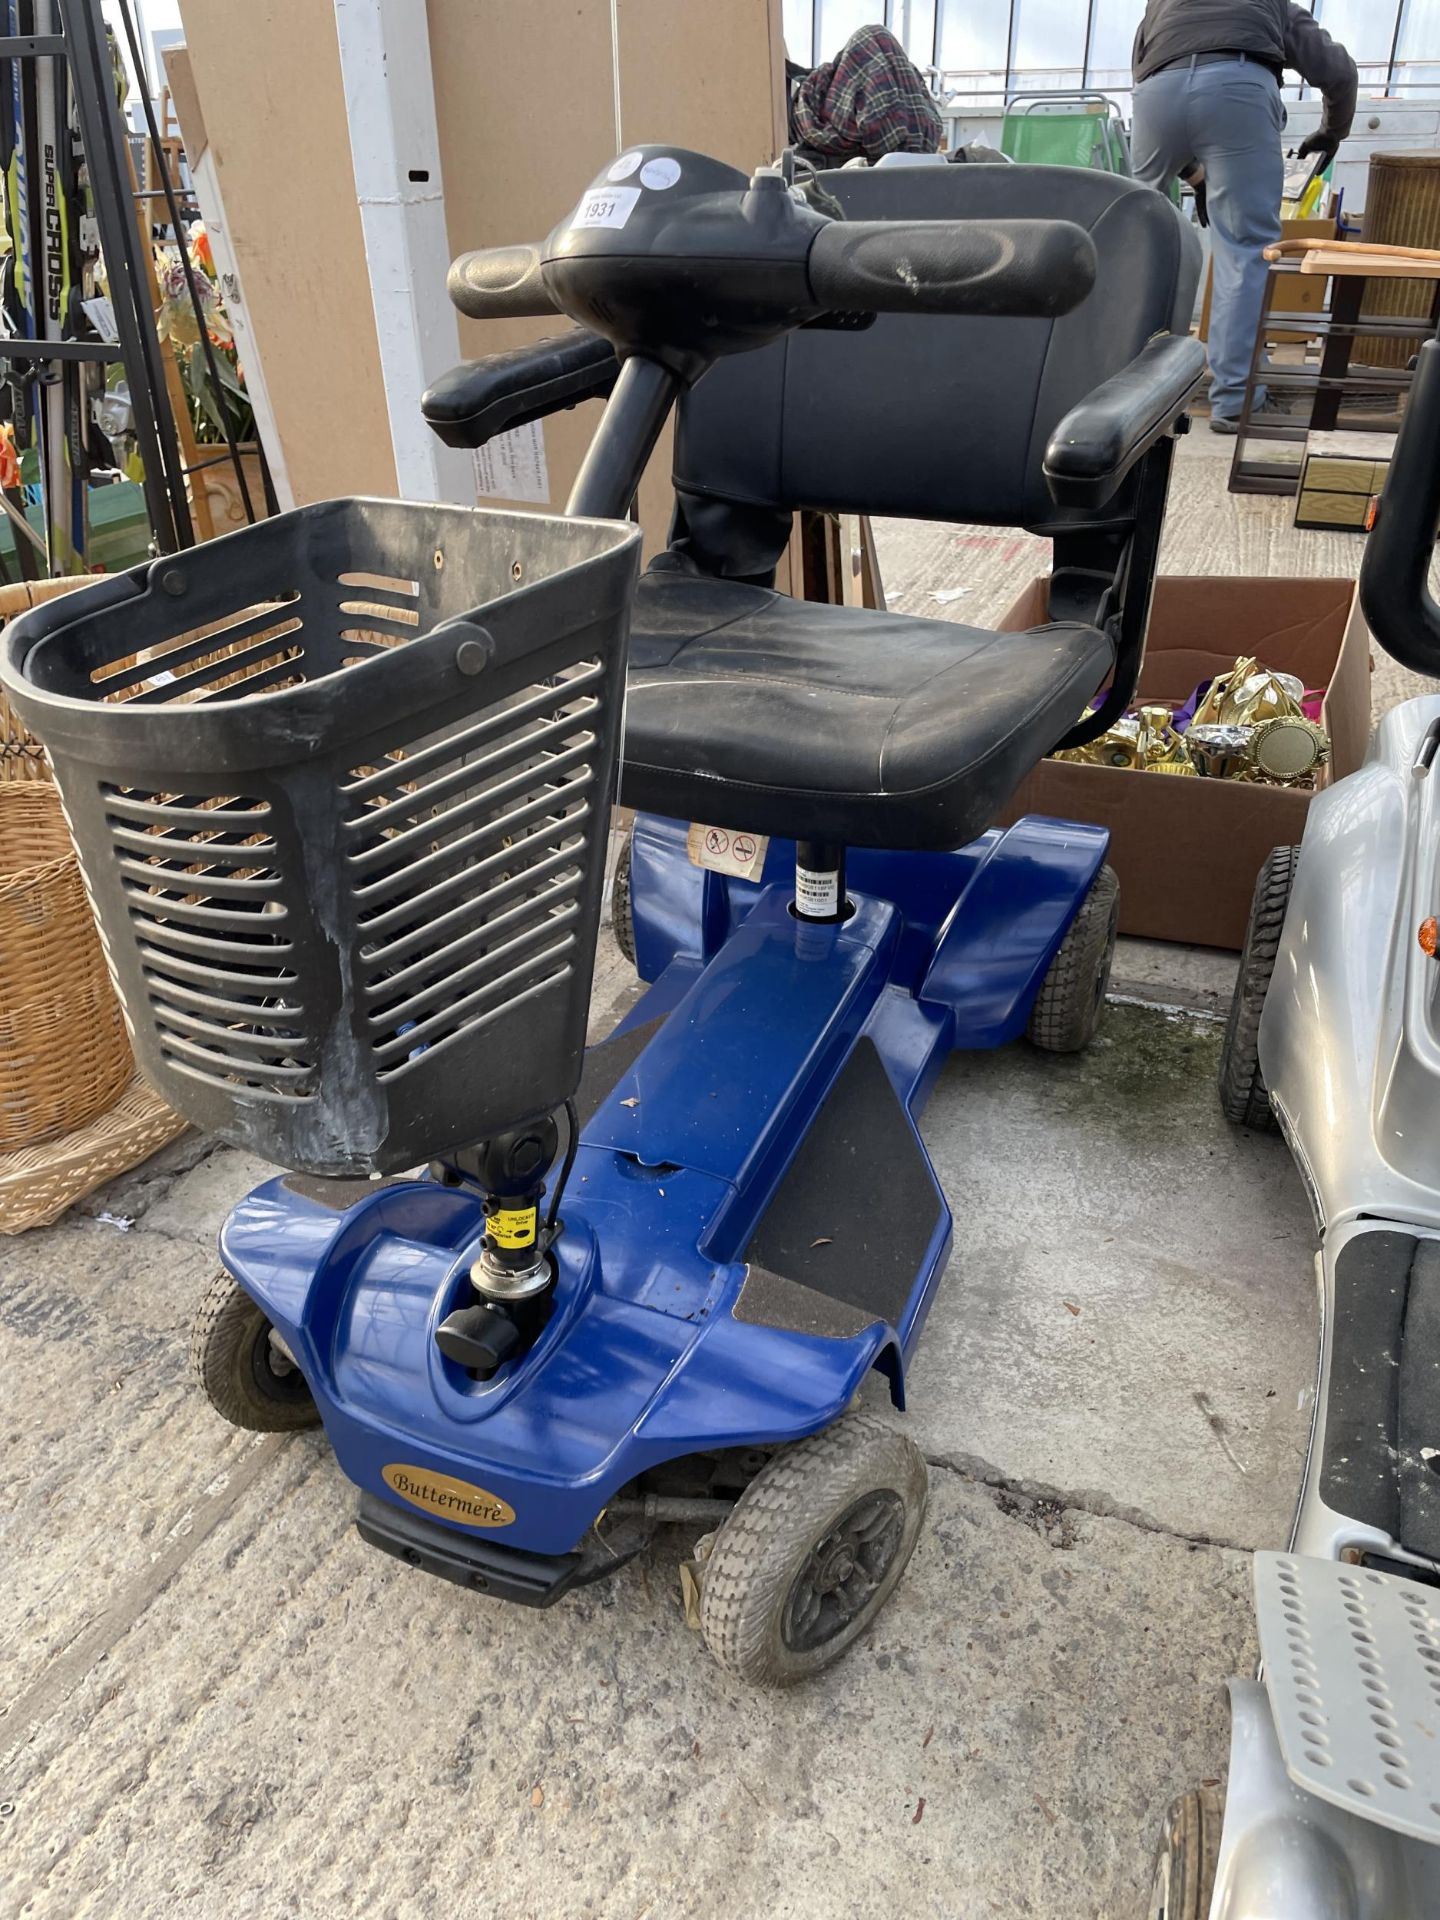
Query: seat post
[{"x": 820, "y": 882}]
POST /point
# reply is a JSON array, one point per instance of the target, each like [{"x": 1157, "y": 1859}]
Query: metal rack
[
  {"x": 172, "y": 195},
  {"x": 1328, "y": 386},
  {"x": 84, "y": 46}
]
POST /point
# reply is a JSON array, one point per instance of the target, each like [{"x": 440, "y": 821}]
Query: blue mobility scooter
[{"x": 341, "y": 784}]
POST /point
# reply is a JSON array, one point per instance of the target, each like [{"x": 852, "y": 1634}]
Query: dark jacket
[{"x": 1277, "y": 33}]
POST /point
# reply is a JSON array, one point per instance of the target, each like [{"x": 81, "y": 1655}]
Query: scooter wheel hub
[{"x": 844, "y": 1570}]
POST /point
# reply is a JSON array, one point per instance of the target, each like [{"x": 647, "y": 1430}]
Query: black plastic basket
[{"x": 340, "y": 785}]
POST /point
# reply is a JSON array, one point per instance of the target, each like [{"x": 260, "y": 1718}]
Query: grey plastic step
[{"x": 1352, "y": 1668}]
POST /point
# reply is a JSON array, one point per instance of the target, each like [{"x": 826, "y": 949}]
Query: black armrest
[
  {"x": 471, "y": 404},
  {"x": 1395, "y": 589},
  {"x": 1098, "y": 442}
]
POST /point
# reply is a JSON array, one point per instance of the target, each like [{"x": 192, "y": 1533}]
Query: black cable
[{"x": 572, "y": 1143}]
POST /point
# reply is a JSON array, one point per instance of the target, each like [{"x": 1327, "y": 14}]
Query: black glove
[
  {"x": 1194, "y": 178},
  {"x": 1319, "y": 145}
]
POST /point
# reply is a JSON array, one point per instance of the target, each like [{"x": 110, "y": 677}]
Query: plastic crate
[{"x": 340, "y": 785}]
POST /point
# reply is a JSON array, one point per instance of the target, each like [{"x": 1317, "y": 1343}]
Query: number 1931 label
[{"x": 611, "y": 207}]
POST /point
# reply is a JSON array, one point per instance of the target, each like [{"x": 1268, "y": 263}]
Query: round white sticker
[
  {"x": 624, "y": 167},
  {"x": 663, "y": 172}
]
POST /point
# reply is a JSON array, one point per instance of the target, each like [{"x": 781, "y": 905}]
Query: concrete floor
[
  {"x": 219, "y": 1702},
  {"x": 973, "y": 574},
  {"x": 214, "y": 1700}
]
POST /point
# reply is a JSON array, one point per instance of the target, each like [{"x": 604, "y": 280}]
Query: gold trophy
[{"x": 1250, "y": 725}]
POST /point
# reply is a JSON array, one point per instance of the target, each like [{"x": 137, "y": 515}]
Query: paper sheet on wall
[{"x": 512, "y": 466}]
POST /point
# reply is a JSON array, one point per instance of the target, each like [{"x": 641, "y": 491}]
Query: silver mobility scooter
[{"x": 1333, "y": 1804}]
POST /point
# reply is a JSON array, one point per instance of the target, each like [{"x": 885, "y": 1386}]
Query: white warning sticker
[
  {"x": 817, "y": 895},
  {"x": 723, "y": 851},
  {"x": 512, "y": 466},
  {"x": 606, "y": 207}
]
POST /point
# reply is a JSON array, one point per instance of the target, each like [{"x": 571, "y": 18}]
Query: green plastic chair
[{"x": 1065, "y": 130}]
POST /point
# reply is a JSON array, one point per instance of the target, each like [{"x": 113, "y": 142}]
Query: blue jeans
[{"x": 1230, "y": 117}]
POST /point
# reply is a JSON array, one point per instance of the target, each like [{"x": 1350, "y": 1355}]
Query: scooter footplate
[{"x": 1352, "y": 1668}]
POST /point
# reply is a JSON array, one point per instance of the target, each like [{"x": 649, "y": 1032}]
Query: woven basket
[
  {"x": 37, "y": 1184},
  {"x": 21, "y": 755},
  {"x": 64, "y": 1053}
]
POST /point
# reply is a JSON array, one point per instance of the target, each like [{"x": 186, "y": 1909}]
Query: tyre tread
[
  {"x": 1065, "y": 1016},
  {"x": 622, "y": 919},
  {"x": 752, "y": 1565},
  {"x": 223, "y": 1327},
  {"x": 1192, "y": 1837},
  {"x": 1244, "y": 1098}
]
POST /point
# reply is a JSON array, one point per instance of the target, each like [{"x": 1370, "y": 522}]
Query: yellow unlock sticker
[{"x": 512, "y": 1227}]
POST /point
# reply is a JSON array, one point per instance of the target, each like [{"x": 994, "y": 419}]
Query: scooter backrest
[{"x": 940, "y": 417}]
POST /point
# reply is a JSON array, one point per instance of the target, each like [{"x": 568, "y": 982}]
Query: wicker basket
[
  {"x": 1402, "y": 208},
  {"x": 64, "y": 1053},
  {"x": 21, "y": 755},
  {"x": 38, "y": 1184}
]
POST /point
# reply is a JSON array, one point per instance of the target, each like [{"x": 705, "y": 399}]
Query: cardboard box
[
  {"x": 1341, "y": 477},
  {"x": 267, "y": 75},
  {"x": 1188, "y": 851}
]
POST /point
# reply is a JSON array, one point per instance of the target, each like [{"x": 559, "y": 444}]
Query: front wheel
[
  {"x": 1066, "y": 1015},
  {"x": 1187, "y": 1857},
  {"x": 813, "y": 1550},
  {"x": 244, "y": 1371},
  {"x": 1244, "y": 1097}
]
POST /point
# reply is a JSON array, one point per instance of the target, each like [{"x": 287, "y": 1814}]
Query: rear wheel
[
  {"x": 1066, "y": 1015},
  {"x": 813, "y": 1550},
  {"x": 1244, "y": 1098},
  {"x": 622, "y": 920},
  {"x": 1186, "y": 1859},
  {"x": 243, "y": 1369}
]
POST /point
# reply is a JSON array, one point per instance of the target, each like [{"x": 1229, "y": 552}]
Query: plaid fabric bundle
[{"x": 869, "y": 100}]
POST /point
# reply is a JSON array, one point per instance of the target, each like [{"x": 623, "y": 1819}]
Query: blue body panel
[{"x": 642, "y": 1360}]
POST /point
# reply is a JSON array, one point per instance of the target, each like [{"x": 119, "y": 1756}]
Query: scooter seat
[{"x": 747, "y": 709}]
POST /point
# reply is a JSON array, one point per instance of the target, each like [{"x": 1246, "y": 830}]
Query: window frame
[{"x": 1395, "y": 70}]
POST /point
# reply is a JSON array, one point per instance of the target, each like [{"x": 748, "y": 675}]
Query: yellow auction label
[
  {"x": 512, "y": 1227},
  {"x": 447, "y": 1498}
]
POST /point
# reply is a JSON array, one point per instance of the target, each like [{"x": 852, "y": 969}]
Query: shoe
[{"x": 1270, "y": 413}]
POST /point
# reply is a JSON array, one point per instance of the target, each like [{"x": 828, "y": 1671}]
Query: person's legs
[
  {"x": 1236, "y": 122},
  {"x": 1159, "y": 137}
]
